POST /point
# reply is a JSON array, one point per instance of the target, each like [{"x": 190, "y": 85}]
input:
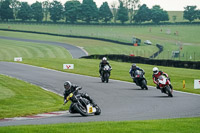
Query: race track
[{"x": 118, "y": 100}]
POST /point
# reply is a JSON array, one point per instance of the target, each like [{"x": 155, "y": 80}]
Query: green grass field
[
  {"x": 184, "y": 125},
  {"x": 188, "y": 35},
  {"x": 18, "y": 98}
]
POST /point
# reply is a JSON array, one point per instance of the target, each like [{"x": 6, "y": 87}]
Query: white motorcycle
[{"x": 164, "y": 85}]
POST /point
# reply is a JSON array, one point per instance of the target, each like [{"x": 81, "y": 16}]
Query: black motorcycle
[
  {"x": 82, "y": 105},
  {"x": 105, "y": 73},
  {"x": 140, "y": 79}
]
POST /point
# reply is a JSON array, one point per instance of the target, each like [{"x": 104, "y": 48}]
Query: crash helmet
[
  {"x": 104, "y": 59},
  {"x": 67, "y": 85},
  {"x": 133, "y": 66},
  {"x": 155, "y": 70}
]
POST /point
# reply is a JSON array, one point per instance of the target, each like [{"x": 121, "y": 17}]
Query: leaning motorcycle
[
  {"x": 164, "y": 85},
  {"x": 105, "y": 74},
  {"x": 141, "y": 81},
  {"x": 82, "y": 105}
]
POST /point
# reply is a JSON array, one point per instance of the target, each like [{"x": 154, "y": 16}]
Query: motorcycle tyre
[
  {"x": 107, "y": 78},
  {"x": 168, "y": 90},
  {"x": 98, "y": 112},
  {"x": 80, "y": 110},
  {"x": 144, "y": 85}
]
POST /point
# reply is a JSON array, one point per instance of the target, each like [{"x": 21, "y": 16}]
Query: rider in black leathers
[
  {"x": 132, "y": 72},
  {"x": 102, "y": 64},
  {"x": 69, "y": 88}
]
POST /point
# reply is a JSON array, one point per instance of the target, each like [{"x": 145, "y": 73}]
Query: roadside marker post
[{"x": 183, "y": 84}]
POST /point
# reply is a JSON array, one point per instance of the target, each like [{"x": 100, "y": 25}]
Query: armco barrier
[
  {"x": 160, "y": 47},
  {"x": 132, "y": 59}
]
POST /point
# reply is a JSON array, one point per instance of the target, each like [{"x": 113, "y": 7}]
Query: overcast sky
[{"x": 169, "y": 5}]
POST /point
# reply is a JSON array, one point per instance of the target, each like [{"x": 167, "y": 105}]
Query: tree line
[{"x": 87, "y": 11}]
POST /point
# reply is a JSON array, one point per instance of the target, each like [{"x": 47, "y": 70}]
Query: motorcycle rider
[
  {"x": 156, "y": 74},
  {"x": 103, "y": 63},
  {"x": 132, "y": 72},
  {"x": 69, "y": 88}
]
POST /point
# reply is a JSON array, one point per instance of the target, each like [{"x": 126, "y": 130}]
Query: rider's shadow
[
  {"x": 136, "y": 89},
  {"x": 78, "y": 116},
  {"x": 160, "y": 96}
]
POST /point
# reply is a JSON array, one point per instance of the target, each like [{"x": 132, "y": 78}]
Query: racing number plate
[{"x": 90, "y": 109}]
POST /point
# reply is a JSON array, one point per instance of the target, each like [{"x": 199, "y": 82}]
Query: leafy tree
[
  {"x": 131, "y": 5},
  {"x": 72, "y": 10},
  {"x": 56, "y": 11},
  {"x": 25, "y": 12},
  {"x": 1, "y": 1},
  {"x": 114, "y": 11},
  {"x": 198, "y": 14},
  {"x": 5, "y": 10},
  {"x": 37, "y": 11},
  {"x": 143, "y": 14},
  {"x": 105, "y": 13},
  {"x": 159, "y": 14},
  {"x": 45, "y": 7},
  {"x": 122, "y": 13},
  {"x": 89, "y": 11},
  {"x": 190, "y": 13},
  {"x": 15, "y": 5}
]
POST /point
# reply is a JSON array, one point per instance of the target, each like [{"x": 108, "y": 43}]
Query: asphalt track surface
[
  {"x": 119, "y": 101},
  {"x": 76, "y": 52}
]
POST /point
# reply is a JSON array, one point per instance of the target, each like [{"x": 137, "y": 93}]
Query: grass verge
[
  {"x": 183, "y": 125},
  {"x": 18, "y": 98}
]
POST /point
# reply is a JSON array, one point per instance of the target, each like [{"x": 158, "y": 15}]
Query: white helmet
[
  {"x": 104, "y": 59},
  {"x": 155, "y": 70}
]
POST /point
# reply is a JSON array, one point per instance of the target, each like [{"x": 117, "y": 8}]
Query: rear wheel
[{"x": 98, "y": 112}]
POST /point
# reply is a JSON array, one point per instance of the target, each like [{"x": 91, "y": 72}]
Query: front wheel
[
  {"x": 168, "y": 91},
  {"x": 144, "y": 84},
  {"x": 82, "y": 110},
  {"x": 107, "y": 77}
]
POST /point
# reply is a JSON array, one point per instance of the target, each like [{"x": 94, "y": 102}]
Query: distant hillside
[{"x": 179, "y": 16}]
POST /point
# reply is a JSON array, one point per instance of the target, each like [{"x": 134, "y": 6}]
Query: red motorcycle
[{"x": 164, "y": 84}]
